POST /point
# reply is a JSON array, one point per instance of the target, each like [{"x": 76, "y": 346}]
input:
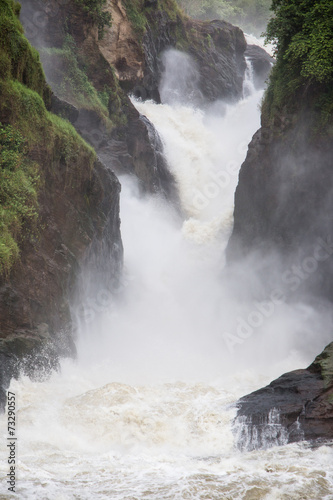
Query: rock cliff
[
  {"x": 303, "y": 401},
  {"x": 71, "y": 216},
  {"x": 283, "y": 207},
  {"x": 77, "y": 199}
]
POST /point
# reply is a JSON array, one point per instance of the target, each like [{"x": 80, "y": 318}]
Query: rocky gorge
[
  {"x": 283, "y": 206},
  {"x": 85, "y": 78},
  {"x": 78, "y": 197}
]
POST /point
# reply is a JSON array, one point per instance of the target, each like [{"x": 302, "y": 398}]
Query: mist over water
[
  {"x": 179, "y": 315},
  {"x": 146, "y": 410}
]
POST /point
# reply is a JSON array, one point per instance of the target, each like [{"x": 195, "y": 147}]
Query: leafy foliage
[{"x": 302, "y": 31}]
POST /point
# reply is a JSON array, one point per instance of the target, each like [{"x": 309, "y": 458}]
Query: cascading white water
[{"x": 146, "y": 411}]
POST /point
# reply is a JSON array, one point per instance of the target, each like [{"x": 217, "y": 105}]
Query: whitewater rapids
[{"x": 146, "y": 411}]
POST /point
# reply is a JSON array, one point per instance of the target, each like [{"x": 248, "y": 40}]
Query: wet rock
[
  {"x": 217, "y": 48},
  {"x": 302, "y": 401},
  {"x": 64, "y": 109},
  {"x": 261, "y": 62},
  {"x": 36, "y": 323}
]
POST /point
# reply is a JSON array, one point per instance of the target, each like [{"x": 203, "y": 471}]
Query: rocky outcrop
[
  {"x": 217, "y": 48},
  {"x": 302, "y": 401},
  {"x": 261, "y": 63},
  {"x": 134, "y": 148},
  {"x": 121, "y": 46},
  {"x": 282, "y": 221},
  {"x": 283, "y": 199},
  {"x": 78, "y": 203},
  {"x": 35, "y": 298},
  {"x": 64, "y": 109}
]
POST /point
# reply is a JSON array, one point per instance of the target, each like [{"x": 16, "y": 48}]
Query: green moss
[
  {"x": 24, "y": 64},
  {"x": 19, "y": 180},
  {"x": 70, "y": 81},
  {"x": 93, "y": 9},
  {"x": 140, "y": 15},
  {"x": 31, "y": 138},
  {"x": 324, "y": 363},
  {"x": 136, "y": 15}
]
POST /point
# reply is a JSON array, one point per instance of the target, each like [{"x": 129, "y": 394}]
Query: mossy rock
[{"x": 324, "y": 364}]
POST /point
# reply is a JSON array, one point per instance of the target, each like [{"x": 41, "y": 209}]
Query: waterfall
[{"x": 146, "y": 410}]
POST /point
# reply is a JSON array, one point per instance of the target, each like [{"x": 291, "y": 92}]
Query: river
[{"x": 146, "y": 410}]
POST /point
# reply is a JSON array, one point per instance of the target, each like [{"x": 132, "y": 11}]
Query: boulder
[
  {"x": 261, "y": 62},
  {"x": 300, "y": 402}
]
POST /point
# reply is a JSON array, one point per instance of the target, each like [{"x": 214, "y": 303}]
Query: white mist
[{"x": 146, "y": 411}]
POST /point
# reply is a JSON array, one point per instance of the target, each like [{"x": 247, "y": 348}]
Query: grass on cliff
[
  {"x": 31, "y": 138},
  {"x": 137, "y": 12},
  {"x": 30, "y": 142},
  {"x": 70, "y": 82},
  {"x": 19, "y": 180},
  {"x": 18, "y": 60}
]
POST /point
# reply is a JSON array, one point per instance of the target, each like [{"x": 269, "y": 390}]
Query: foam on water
[
  {"x": 146, "y": 411},
  {"x": 169, "y": 441}
]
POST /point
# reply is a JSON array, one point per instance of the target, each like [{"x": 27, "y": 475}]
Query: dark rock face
[
  {"x": 303, "y": 404},
  {"x": 261, "y": 63},
  {"x": 283, "y": 204},
  {"x": 134, "y": 148},
  {"x": 35, "y": 300},
  {"x": 127, "y": 148},
  {"x": 64, "y": 109},
  {"x": 217, "y": 48},
  {"x": 284, "y": 198}
]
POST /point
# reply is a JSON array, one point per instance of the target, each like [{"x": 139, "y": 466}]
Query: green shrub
[
  {"x": 303, "y": 36},
  {"x": 135, "y": 13}
]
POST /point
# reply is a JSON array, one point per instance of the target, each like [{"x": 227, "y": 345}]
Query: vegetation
[
  {"x": 70, "y": 81},
  {"x": 27, "y": 130},
  {"x": 135, "y": 13},
  {"x": 138, "y": 11},
  {"x": 18, "y": 60},
  {"x": 302, "y": 32},
  {"x": 19, "y": 180},
  {"x": 94, "y": 10},
  {"x": 251, "y": 15}
]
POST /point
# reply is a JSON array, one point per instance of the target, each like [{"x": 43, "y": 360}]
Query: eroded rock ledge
[{"x": 302, "y": 401}]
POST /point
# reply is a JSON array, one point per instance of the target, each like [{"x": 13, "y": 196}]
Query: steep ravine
[
  {"x": 77, "y": 201},
  {"x": 78, "y": 198},
  {"x": 283, "y": 214}
]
